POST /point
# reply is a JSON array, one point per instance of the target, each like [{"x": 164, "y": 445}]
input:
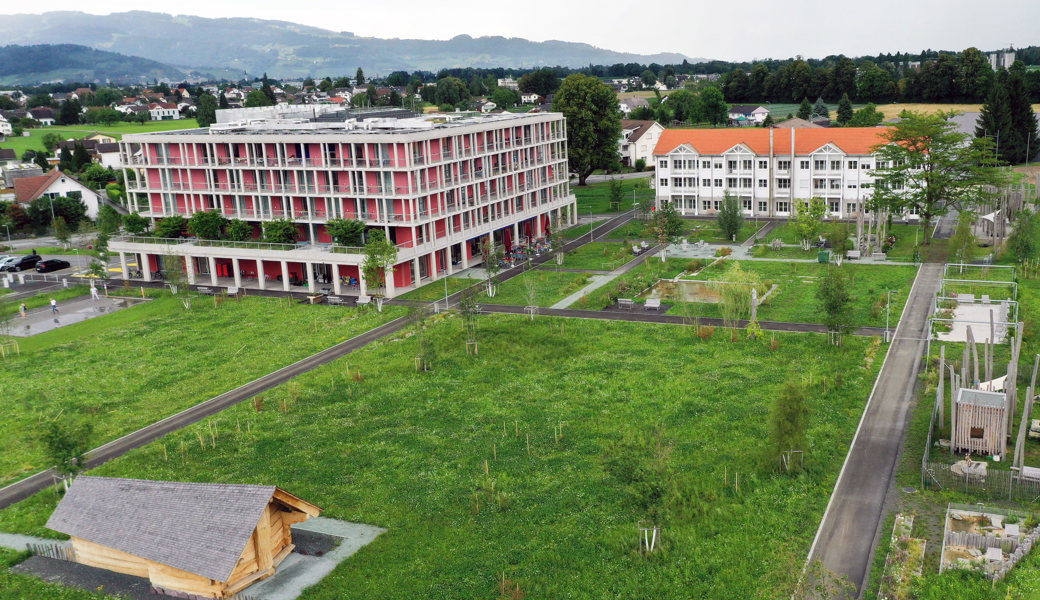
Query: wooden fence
[
  {"x": 980, "y": 541},
  {"x": 995, "y": 485},
  {"x": 55, "y": 551}
]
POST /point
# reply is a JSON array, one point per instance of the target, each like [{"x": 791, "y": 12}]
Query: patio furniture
[
  {"x": 625, "y": 303},
  {"x": 361, "y": 300},
  {"x": 652, "y": 303}
]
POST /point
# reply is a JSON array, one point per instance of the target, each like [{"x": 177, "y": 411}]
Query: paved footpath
[{"x": 848, "y": 532}]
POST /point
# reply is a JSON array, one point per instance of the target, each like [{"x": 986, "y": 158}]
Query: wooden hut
[
  {"x": 201, "y": 540},
  {"x": 980, "y": 422}
]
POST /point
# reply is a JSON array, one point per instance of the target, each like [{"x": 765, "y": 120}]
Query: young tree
[
  {"x": 820, "y": 109},
  {"x": 734, "y": 292},
  {"x": 491, "y": 254},
  {"x": 808, "y": 219},
  {"x": 50, "y": 141},
  {"x": 730, "y": 217},
  {"x": 667, "y": 226},
  {"x": 617, "y": 190},
  {"x": 207, "y": 225},
  {"x": 844, "y": 110},
  {"x": 80, "y": 157},
  {"x": 712, "y": 107},
  {"x": 926, "y": 164},
  {"x": 805, "y": 109},
  {"x": 280, "y": 231},
  {"x": 963, "y": 243},
  {"x": 768, "y": 121},
  {"x": 359, "y": 77},
  {"x": 135, "y": 223},
  {"x": 61, "y": 230},
  {"x": 1024, "y": 241},
  {"x": 238, "y": 230},
  {"x": 65, "y": 445},
  {"x": 788, "y": 423},
  {"x": 834, "y": 295},
  {"x": 838, "y": 237},
  {"x": 868, "y": 116},
  {"x": 593, "y": 124},
  {"x": 257, "y": 98},
  {"x": 109, "y": 220},
  {"x": 170, "y": 227},
  {"x": 380, "y": 258},
  {"x": 469, "y": 310},
  {"x": 222, "y": 101}
]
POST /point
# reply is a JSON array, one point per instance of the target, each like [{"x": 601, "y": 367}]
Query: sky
[{"x": 743, "y": 30}]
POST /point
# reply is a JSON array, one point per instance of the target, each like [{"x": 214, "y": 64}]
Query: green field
[
  {"x": 467, "y": 468},
  {"x": 579, "y": 230},
  {"x": 549, "y": 287},
  {"x": 597, "y": 256},
  {"x": 435, "y": 290},
  {"x": 34, "y": 140},
  {"x": 136, "y": 366},
  {"x": 794, "y": 299},
  {"x": 596, "y": 196},
  {"x": 693, "y": 230},
  {"x": 632, "y": 283}
]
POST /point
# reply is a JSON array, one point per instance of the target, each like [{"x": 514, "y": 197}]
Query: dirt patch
[
  {"x": 313, "y": 543},
  {"x": 87, "y": 578}
]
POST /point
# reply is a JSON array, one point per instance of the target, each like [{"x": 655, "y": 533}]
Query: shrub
[
  {"x": 724, "y": 251},
  {"x": 705, "y": 331}
]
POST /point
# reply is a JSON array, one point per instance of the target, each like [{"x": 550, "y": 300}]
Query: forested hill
[
  {"x": 284, "y": 49},
  {"x": 27, "y": 65}
]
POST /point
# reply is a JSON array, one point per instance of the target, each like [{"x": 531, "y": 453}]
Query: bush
[
  {"x": 641, "y": 165},
  {"x": 695, "y": 265},
  {"x": 724, "y": 251}
]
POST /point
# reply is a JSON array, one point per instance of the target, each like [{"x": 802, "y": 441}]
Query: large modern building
[
  {"x": 436, "y": 186},
  {"x": 767, "y": 169}
]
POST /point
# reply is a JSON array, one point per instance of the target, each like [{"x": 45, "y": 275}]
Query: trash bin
[{"x": 824, "y": 256}]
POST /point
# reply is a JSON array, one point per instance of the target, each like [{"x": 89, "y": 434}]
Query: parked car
[
  {"x": 21, "y": 263},
  {"x": 52, "y": 264},
  {"x": 6, "y": 260}
]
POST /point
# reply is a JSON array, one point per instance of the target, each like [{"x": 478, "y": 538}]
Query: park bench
[
  {"x": 362, "y": 300},
  {"x": 337, "y": 300},
  {"x": 234, "y": 291},
  {"x": 652, "y": 303},
  {"x": 625, "y": 303},
  {"x": 852, "y": 254},
  {"x": 205, "y": 290}
]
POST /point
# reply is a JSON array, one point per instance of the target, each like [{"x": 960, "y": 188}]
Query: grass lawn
[
  {"x": 465, "y": 466},
  {"x": 597, "y": 256},
  {"x": 795, "y": 298},
  {"x": 632, "y": 283},
  {"x": 693, "y": 230},
  {"x": 549, "y": 288},
  {"x": 596, "y": 196},
  {"x": 435, "y": 290},
  {"x": 133, "y": 367},
  {"x": 762, "y": 251},
  {"x": 49, "y": 250},
  {"x": 35, "y": 137},
  {"x": 579, "y": 230}
]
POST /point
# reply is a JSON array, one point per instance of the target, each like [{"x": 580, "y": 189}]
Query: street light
[
  {"x": 8, "y": 228},
  {"x": 590, "y": 224},
  {"x": 888, "y": 303}
]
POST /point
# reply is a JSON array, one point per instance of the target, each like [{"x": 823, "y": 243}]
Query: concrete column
[
  {"x": 237, "y": 272},
  {"x": 516, "y": 232},
  {"x": 260, "y": 273},
  {"x": 144, "y": 265},
  {"x": 537, "y": 226},
  {"x": 415, "y": 270},
  {"x": 391, "y": 289},
  {"x": 337, "y": 285},
  {"x": 311, "y": 283},
  {"x": 448, "y": 267},
  {"x": 212, "y": 270},
  {"x": 362, "y": 286},
  {"x": 122, "y": 265},
  {"x": 189, "y": 266},
  {"x": 464, "y": 247},
  {"x": 285, "y": 276}
]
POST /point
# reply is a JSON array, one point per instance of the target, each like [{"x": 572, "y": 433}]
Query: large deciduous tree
[
  {"x": 712, "y": 107},
  {"x": 207, "y": 225},
  {"x": 347, "y": 232},
  {"x": 542, "y": 82},
  {"x": 593, "y": 124},
  {"x": 926, "y": 164},
  {"x": 207, "y": 112}
]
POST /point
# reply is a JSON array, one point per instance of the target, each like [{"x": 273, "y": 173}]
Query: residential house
[
  {"x": 163, "y": 111},
  {"x": 487, "y": 106},
  {"x": 508, "y": 83},
  {"x": 796, "y": 123},
  {"x": 747, "y": 114},
  {"x": 627, "y": 105},
  {"x": 531, "y": 98},
  {"x": 437, "y": 186},
  {"x": 56, "y": 184},
  {"x": 5, "y": 126},
  {"x": 638, "y": 140},
  {"x": 101, "y": 138},
  {"x": 767, "y": 169},
  {"x": 43, "y": 114},
  {"x": 190, "y": 540}
]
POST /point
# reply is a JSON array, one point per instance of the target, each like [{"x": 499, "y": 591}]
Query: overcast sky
[{"x": 741, "y": 30}]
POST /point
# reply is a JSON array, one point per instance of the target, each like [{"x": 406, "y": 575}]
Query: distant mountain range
[
  {"x": 27, "y": 65},
  {"x": 231, "y": 47}
]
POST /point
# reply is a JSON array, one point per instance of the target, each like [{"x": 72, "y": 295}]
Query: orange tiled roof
[
  {"x": 27, "y": 189},
  {"x": 852, "y": 140}
]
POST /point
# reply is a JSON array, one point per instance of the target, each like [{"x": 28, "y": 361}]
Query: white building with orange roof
[{"x": 767, "y": 169}]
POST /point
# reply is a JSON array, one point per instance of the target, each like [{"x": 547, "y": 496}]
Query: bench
[
  {"x": 336, "y": 300},
  {"x": 362, "y": 300},
  {"x": 205, "y": 290},
  {"x": 852, "y": 254},
  {"x": 652, "y": 303},
  {"x": 234, "y": 291},
  {"x": 1030, "y": 474},
  {"x": 625, "y": 303}
]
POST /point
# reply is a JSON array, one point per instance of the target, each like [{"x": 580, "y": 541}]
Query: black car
[
  {"x": 26, "y": 262},
  {"x": 52, "y": 264}
]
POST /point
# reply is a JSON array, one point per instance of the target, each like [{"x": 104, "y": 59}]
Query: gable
[{"x": 828, "y": 148}]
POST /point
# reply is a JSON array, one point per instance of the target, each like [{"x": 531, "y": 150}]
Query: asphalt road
[{"x": 848, "y": 532}]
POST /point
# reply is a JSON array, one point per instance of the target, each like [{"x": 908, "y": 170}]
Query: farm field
[
  {"x": 139, "y": 365},
  {"x": 35, "y": 139},
  {"x": 534, "y": 461}
]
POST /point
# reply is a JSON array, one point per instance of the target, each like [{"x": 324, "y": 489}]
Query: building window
[
  {"x": 820, "y": 165},
  {"x": 865, "y": 165},
  {"x": 763, "y": 206},
  {"x": 853, "y": 164},
  {"x": 835, "y": 184},
  {"x": 746, "y": 164},
  {"x": 705, "y": 164},
  {"x": 731, "y": 164},
  {"x": 835, "y": 165},
  {"x": 664, "y": 182},
  {"x": 819, "y": 184},
  {"x": 706, "y": 205},
  {"x": 783, "y": 183},
  {"x": 852, "y": 186},
  {"x": 745, "y": 182},
  {"x": 803, "y": 164},
  {"x": 664, "y": 163},
  {"x": 763, "y": 164},
  {"x": 763, "y": 183},
  {"x": 677, "y": 182},
  {"x": 731, "y": 182},
  {"x": 705, "y": 183},
  {"x": 833, "y": 206},
  {"x": 783, "y": 206},
  {"x": 783, "y": 165},
  {"x": 850, "y": 207},
  {"x": 718, "y": 183},
  {"x": 747, "y": 203}
]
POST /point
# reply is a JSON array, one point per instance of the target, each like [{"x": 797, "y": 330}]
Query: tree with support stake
[
  {"x": 380, "y": 258},
  {"x": 492, "y": 255}
]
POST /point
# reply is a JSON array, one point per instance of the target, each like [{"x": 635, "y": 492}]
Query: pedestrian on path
[
  {"x": 94, "y": 293},
  {"x": 54, "y": 306},
  {"x": 24, "y": 310}
]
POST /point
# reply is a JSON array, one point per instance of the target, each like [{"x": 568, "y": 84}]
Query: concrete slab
[
  {"x": 72, "y": 311},
  {"x": 976, "y": 316}
]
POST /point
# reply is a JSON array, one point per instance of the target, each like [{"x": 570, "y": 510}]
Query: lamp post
[
  {"x": 888, "y": 303},
  {"x": 590, "y": 224},
  {"x": 8, "y": 228},
  {"x": 446, "y": 290}
]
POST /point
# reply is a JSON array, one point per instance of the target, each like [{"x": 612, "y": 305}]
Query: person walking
[
  {"x": 24, "y": 310},
  {"x": 94, "y": 293},
  {"x": 54, "y": 306}
]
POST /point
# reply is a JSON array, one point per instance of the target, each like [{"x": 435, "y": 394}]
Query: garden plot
[
  {"x": 974, "y": 315},
  {"x": 990, "y": 541}
]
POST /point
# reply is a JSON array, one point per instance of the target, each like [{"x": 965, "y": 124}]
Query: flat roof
[{"x": 981, "y": 398}]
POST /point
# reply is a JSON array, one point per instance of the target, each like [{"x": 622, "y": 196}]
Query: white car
[{"x": 5, "y": 260}]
